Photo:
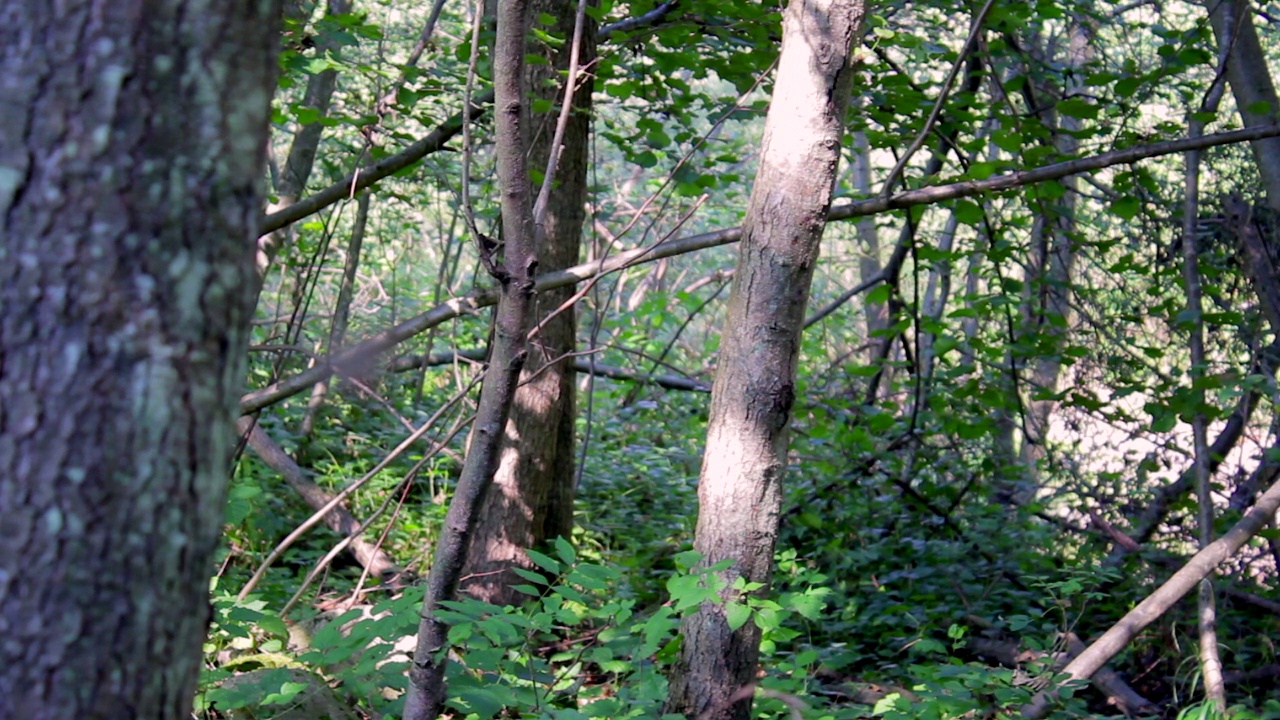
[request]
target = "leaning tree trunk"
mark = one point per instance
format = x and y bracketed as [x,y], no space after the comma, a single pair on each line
[531,498]
[739,490]
[131,143]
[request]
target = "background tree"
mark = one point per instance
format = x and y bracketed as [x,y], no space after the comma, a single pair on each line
[131,144]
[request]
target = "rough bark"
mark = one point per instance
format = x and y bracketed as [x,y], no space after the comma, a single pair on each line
[531,498]
[132,135]
[739,490]
[426,694]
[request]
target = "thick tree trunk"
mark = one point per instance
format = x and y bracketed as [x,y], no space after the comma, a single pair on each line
[132,136]
[739,490]
[531,498]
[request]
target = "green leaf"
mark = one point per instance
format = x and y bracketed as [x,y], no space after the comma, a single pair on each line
[645,159]
[879,295]
[968,212]
[1126,87]
[687,559]
[306,115]
[1126,207]
[982,170]
[1163,422]
[736,615]
[1260,107]
[1008,140]
[1077,107]
[530,575]
[565,550]
[543,561]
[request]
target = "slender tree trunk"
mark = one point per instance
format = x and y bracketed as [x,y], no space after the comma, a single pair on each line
[131,143]
[1047,309]
[739,490]
[876,314]
[337,328]
[306,142]
[426,695]
[531,498]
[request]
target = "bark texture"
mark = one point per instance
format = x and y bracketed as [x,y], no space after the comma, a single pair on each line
[132,135]
[531,498]
[739,490]
[426,695]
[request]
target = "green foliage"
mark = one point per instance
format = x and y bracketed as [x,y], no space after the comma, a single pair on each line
[922,515]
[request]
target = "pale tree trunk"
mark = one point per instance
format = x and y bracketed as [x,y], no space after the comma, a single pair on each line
[876,313]
[1251,85]
[531,498]
[507,353]
[132,137]
[739,490]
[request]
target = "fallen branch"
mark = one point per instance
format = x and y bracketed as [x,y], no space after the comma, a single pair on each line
[336,517]
[1088,662]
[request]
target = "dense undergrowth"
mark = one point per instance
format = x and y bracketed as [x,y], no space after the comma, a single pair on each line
[902,582]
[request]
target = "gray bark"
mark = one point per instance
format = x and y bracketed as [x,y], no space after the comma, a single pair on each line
[426,694]
[531,498]
[1251,85]
[739,490]
[132,136]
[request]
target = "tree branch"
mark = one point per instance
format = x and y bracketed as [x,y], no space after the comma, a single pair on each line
[362,353]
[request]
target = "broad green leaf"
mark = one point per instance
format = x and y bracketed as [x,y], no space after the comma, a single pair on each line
[736,615]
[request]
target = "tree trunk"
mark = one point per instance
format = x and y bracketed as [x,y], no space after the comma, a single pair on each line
[426,695]
[306,141]
[531,498]
[739,490]
[1046,308]
[131,144]
[1251,85]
